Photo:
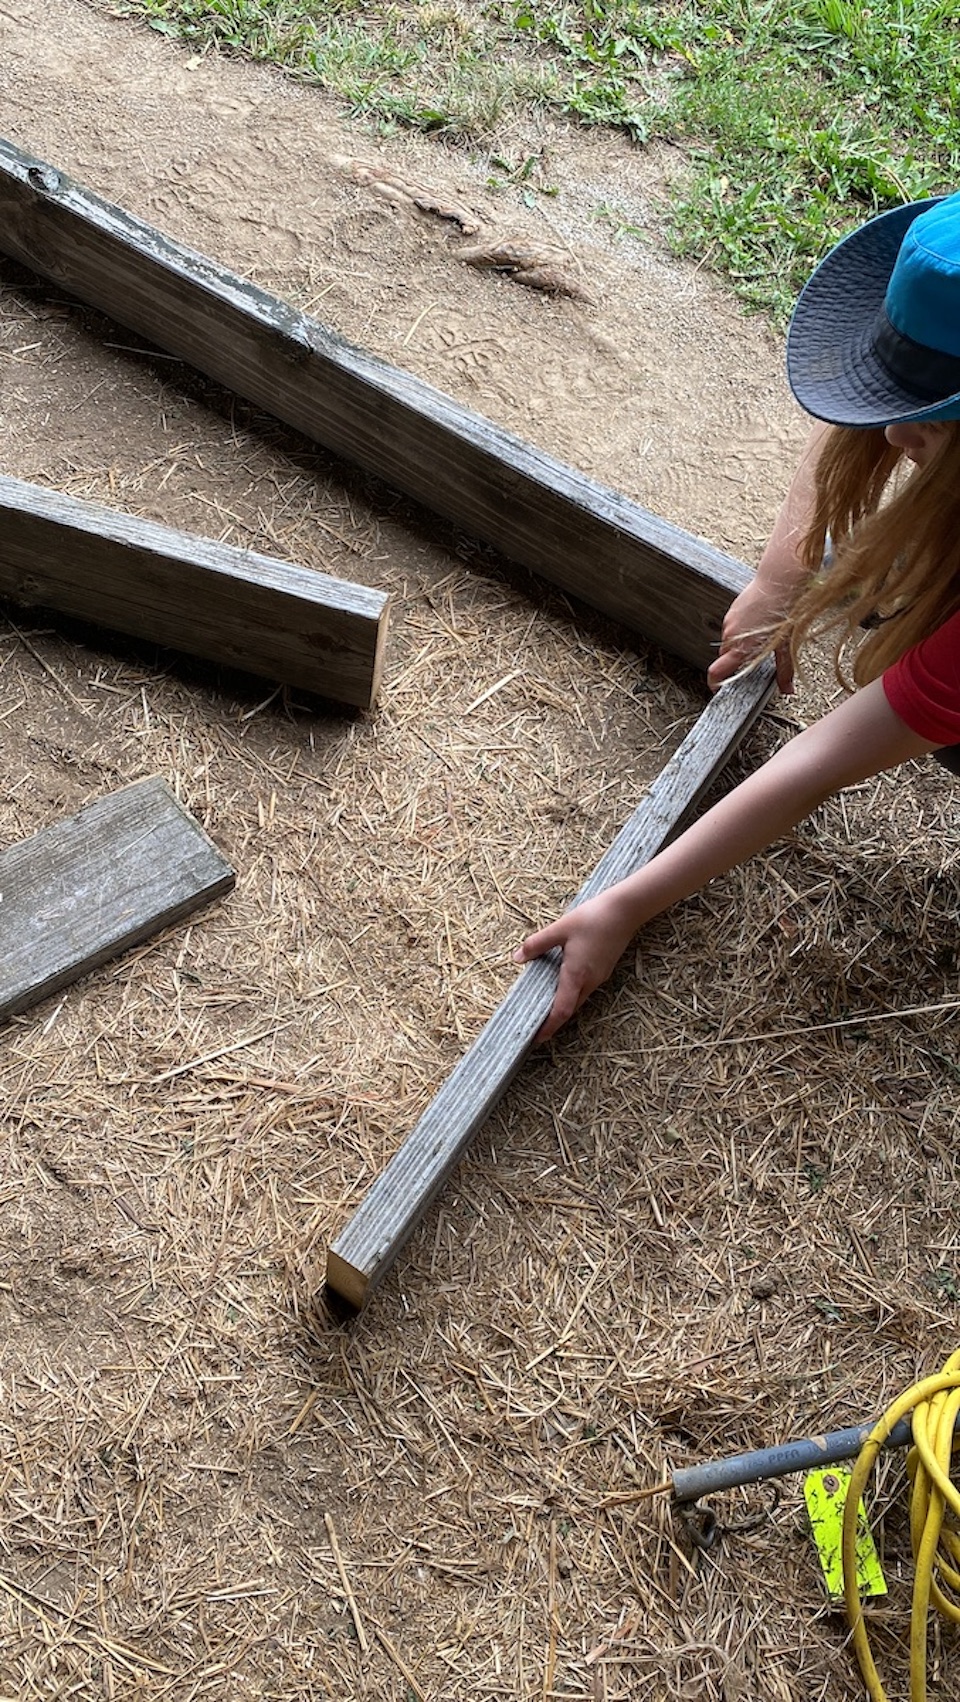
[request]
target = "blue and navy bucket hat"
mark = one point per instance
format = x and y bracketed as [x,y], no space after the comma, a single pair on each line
[875,336]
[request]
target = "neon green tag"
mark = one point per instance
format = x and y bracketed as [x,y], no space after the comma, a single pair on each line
[825,1492]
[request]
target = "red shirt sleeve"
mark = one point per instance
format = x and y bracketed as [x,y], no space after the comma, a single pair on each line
[923,687]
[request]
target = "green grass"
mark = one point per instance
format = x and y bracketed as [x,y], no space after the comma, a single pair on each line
[798,118]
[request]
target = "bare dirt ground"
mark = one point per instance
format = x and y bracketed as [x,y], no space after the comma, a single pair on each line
[717,1213]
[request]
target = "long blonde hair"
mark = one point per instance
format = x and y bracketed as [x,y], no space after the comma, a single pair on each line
[896,549]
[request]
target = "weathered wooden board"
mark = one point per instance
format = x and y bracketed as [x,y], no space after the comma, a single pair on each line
[598,546]
[89,887]
[387,1216]
[229,605]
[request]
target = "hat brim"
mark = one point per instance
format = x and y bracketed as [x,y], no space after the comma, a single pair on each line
[832,364]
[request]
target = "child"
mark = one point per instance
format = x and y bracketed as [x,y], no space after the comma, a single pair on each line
[874,351]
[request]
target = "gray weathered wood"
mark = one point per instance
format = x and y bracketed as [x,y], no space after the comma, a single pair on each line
[89,887]
[387,1216]
[600,547]
[229,605]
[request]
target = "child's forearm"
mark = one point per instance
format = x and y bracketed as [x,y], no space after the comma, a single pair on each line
[781,575]
[858,739]
[780,569]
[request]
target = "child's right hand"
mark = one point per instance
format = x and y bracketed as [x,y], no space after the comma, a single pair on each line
[747,626]
[593,938]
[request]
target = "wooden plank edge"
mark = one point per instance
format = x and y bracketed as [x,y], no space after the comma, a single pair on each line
[381,1225]
[221,880]
[306,628]
[372,413]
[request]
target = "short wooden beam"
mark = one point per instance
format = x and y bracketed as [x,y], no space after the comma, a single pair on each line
[229,605]
[89,887]
[387,1216]
[598,546]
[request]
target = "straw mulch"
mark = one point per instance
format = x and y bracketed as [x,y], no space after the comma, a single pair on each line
[718,1213]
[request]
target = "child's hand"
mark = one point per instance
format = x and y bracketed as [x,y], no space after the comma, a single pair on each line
[747,625]
[593,938]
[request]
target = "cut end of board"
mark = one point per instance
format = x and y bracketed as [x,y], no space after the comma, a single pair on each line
[346,1281]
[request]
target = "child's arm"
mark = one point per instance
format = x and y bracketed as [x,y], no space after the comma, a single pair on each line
[859,738]
[780,574]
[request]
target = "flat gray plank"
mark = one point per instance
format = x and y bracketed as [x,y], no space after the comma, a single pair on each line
[229,605]
[598,546]
[97,883]
[387,1216]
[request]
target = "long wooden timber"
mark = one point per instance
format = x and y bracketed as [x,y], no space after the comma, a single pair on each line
[595,544]
[387,1216]
[91,886]
[229,605]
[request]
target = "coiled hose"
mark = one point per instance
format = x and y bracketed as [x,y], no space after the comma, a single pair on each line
[935,1404]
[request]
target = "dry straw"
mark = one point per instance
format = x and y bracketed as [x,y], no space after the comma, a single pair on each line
[663,1249]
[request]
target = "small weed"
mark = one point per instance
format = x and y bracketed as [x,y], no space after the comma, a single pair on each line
[619,223]
[943,1283]
[525,174]
[829,1311]
[815,1178]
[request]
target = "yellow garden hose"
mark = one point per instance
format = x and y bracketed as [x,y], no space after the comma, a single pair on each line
[935,1404]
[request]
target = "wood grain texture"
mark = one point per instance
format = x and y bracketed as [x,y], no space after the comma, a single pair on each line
[389,1213]
[595,544]
[229,605]
[89,887]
